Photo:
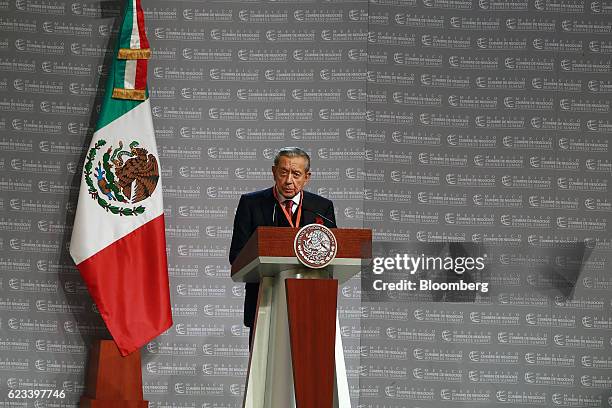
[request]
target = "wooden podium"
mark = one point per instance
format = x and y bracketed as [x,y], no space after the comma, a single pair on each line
[297,358]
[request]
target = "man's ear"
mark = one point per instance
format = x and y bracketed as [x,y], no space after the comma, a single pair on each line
[307,177]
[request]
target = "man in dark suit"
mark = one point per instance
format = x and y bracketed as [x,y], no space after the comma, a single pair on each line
[285,204]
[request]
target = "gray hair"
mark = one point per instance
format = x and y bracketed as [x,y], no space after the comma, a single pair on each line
[292,152]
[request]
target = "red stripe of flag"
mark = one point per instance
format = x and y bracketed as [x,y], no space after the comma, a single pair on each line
[128,280]
[141,74]
[144,41]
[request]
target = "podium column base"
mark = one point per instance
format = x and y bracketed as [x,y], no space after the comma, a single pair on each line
[270,372]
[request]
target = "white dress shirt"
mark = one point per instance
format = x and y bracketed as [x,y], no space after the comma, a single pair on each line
[295,199]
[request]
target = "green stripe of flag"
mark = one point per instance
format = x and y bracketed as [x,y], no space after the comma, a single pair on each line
[125,36]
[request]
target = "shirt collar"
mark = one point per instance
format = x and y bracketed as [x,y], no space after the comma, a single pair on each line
[295,199]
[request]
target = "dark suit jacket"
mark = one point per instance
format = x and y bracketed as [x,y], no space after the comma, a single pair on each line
[260,208]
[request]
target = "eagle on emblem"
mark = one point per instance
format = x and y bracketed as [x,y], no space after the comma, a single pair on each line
[141,168]
[127,180]
[316,242]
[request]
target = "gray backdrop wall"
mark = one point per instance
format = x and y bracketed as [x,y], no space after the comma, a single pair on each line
[482,121]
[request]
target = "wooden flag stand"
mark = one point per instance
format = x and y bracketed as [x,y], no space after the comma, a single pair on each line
[112,381]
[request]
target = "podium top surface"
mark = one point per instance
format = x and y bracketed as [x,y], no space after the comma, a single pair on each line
[270,251]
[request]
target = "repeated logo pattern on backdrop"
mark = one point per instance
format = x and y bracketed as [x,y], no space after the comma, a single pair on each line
[489,122]
[473,120]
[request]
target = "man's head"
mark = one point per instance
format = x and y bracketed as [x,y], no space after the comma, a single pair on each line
[291,170]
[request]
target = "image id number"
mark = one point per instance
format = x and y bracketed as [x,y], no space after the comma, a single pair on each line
[32,394]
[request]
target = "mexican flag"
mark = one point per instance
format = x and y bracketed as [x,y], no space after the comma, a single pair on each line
[118,242]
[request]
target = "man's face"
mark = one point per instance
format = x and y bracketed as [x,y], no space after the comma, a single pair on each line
[290,175]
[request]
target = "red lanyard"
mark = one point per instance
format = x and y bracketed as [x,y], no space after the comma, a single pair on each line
[288,214]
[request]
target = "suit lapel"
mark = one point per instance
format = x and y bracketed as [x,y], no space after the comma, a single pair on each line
[307,216]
